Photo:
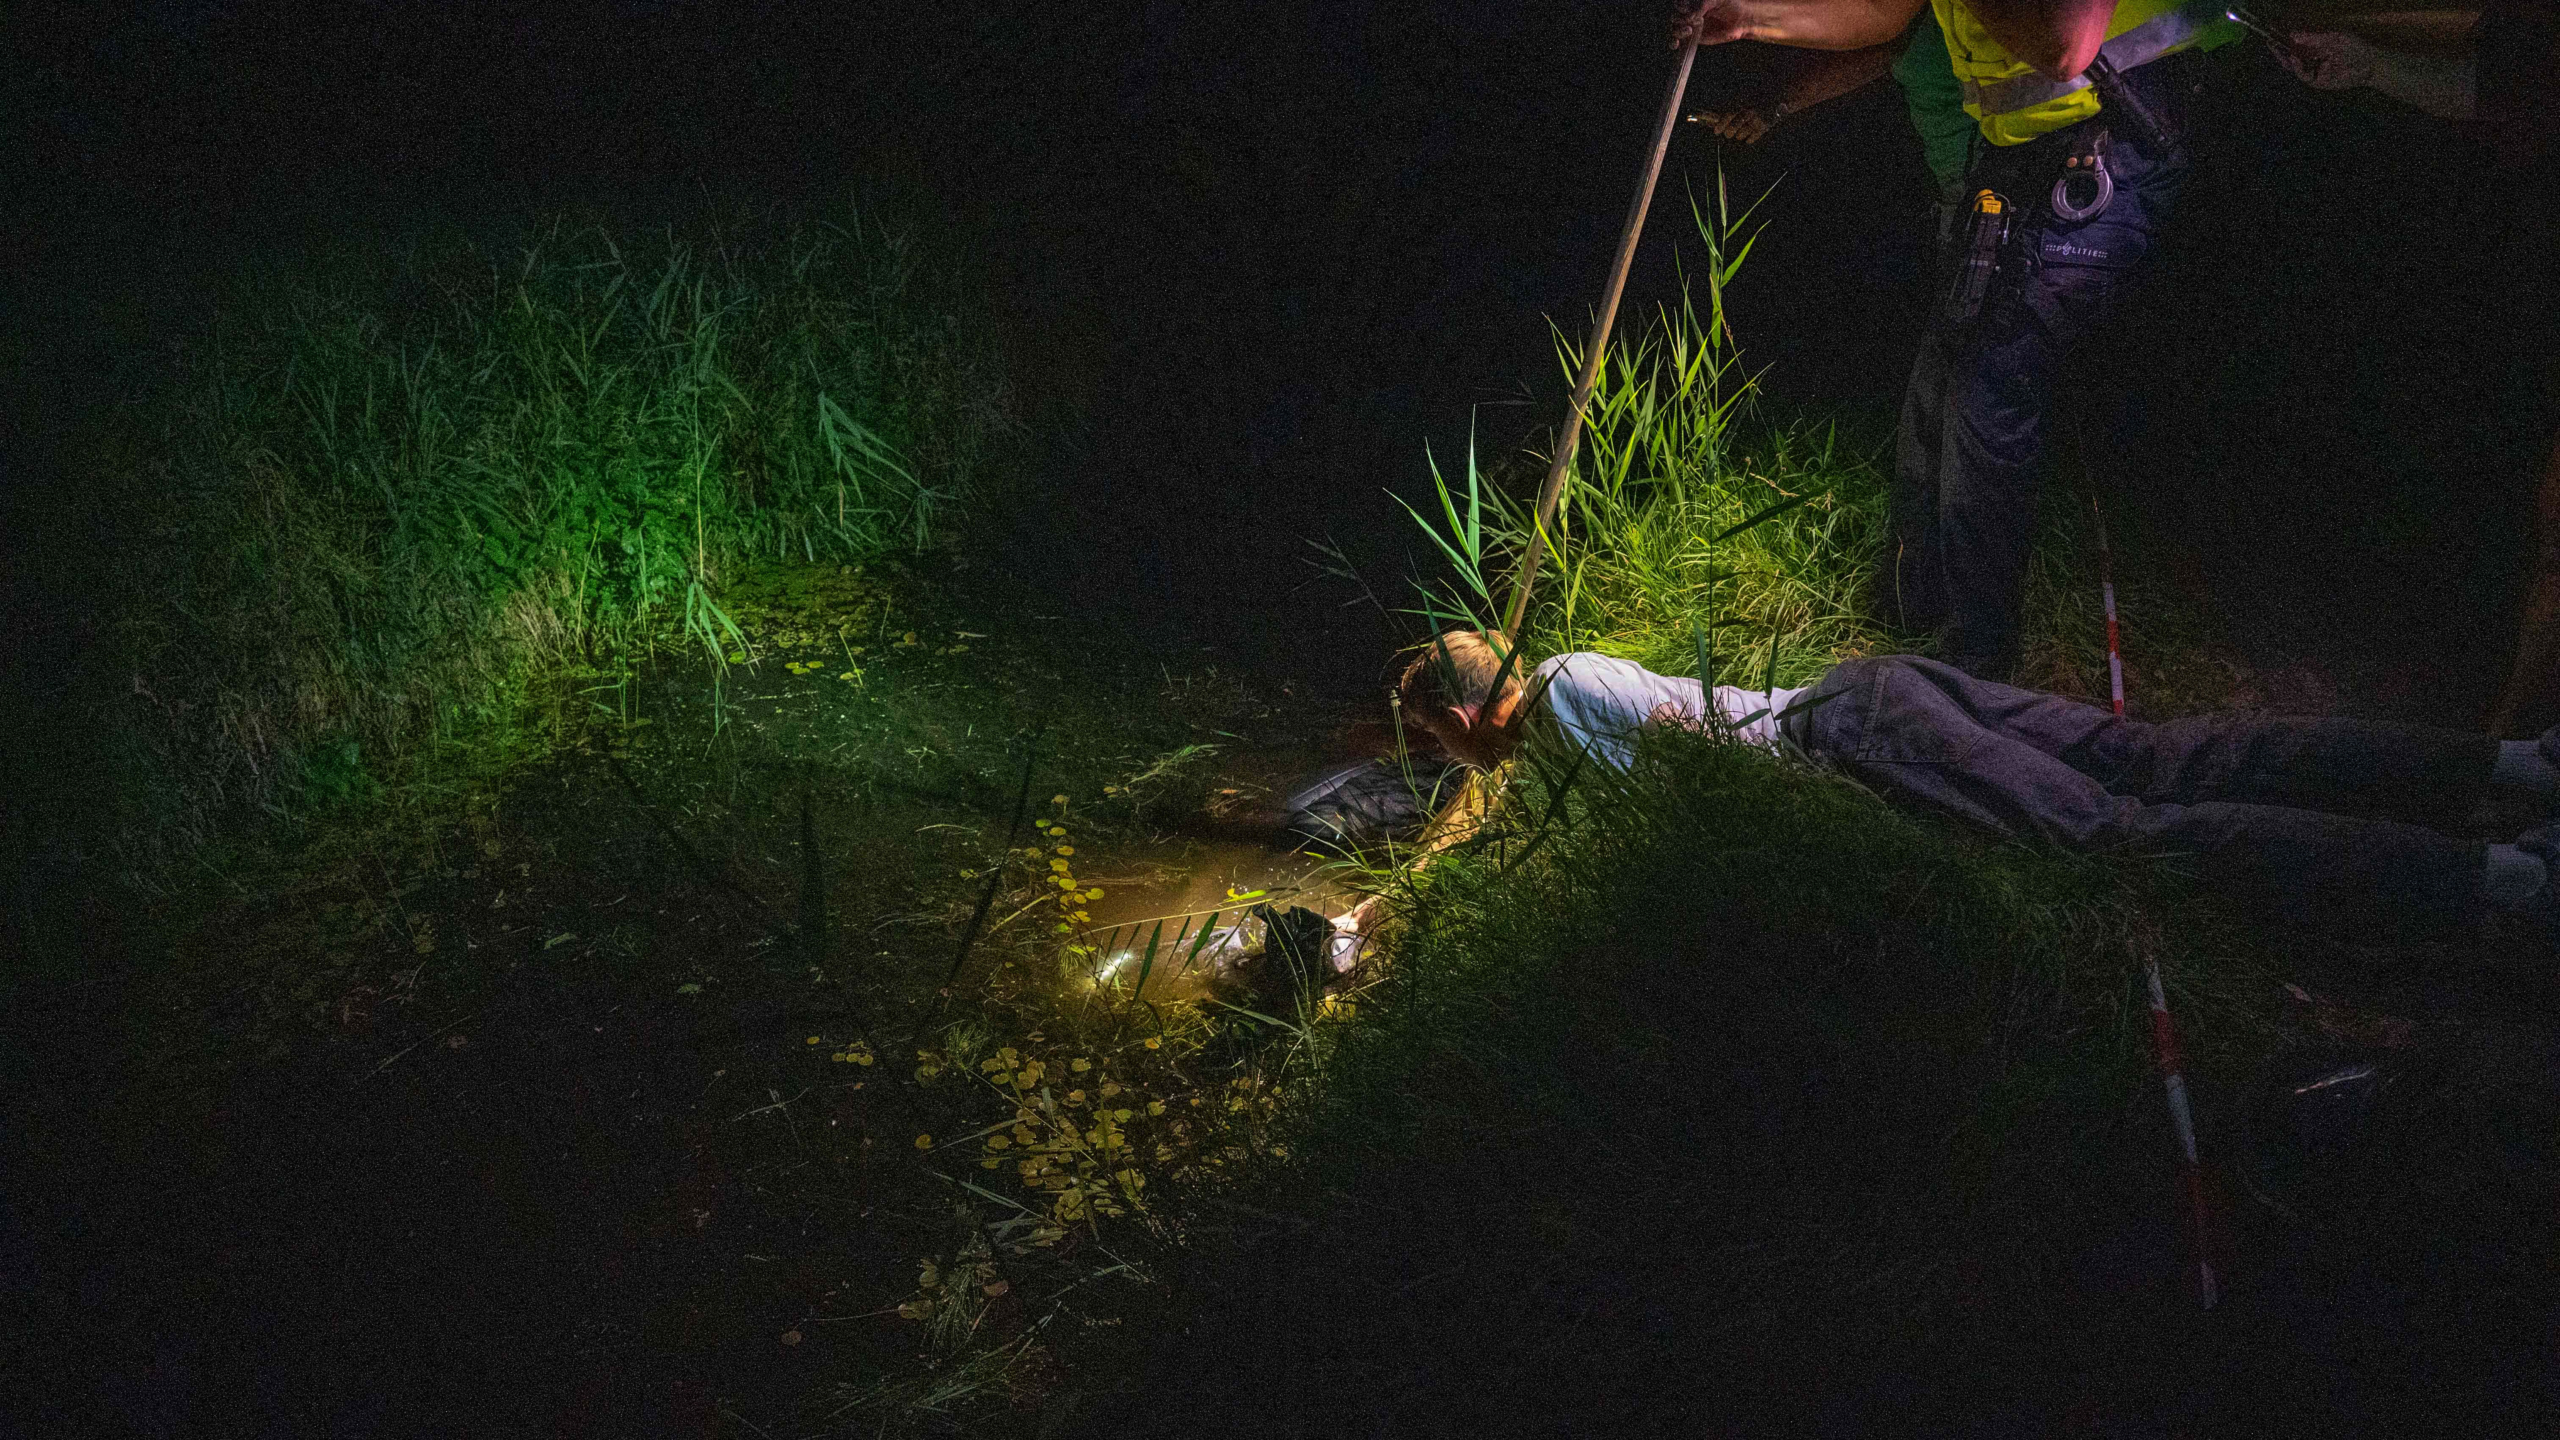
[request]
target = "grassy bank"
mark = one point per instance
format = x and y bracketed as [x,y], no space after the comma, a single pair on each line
[389,506]
[1703,1066]
[1722,1088]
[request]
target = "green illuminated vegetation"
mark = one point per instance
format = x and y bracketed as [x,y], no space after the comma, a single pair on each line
[392,505]
[1672,530]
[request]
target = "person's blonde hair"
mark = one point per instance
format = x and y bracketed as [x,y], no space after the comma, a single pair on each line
[1456,669]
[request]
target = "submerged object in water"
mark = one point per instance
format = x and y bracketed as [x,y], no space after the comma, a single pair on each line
[1367,803]
[1297,956]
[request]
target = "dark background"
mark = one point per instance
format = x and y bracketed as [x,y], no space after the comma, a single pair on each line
[1249,262]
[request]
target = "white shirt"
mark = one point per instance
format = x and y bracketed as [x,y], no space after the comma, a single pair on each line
[1601,701]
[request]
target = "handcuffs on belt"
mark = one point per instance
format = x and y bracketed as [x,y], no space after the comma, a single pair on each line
[2085,187]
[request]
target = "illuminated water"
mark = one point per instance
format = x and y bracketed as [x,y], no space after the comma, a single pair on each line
[1205,883]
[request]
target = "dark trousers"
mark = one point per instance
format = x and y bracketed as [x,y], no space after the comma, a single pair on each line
[2325,820]
[1970,447]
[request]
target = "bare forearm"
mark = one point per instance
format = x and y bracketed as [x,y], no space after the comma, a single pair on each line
[1823,24]
[1836,74]
[2442,85]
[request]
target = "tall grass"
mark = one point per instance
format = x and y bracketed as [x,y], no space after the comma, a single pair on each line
[1694,524]
[387,496]
[1688,523]
[2177,660]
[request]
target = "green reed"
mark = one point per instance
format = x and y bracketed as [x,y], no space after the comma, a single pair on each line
[1688,526]
[388,497]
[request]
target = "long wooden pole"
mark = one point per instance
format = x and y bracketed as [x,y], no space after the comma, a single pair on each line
[1597,355]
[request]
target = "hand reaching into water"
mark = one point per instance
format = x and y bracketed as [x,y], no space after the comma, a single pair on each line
[1358,919]
[1352,931]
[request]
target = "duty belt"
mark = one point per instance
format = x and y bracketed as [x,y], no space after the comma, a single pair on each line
[2140,45]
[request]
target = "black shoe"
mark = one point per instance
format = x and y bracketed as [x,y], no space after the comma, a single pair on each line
[1297,963]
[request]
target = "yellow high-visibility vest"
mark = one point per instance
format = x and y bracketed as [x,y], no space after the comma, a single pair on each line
[2015,103]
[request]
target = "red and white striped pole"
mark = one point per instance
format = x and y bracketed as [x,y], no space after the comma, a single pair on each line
[2107,593]
[2164,1042]
[2164,1033]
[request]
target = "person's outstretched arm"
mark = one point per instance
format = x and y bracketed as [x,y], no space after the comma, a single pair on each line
[2058,37]
[1804,24]
[1458,820]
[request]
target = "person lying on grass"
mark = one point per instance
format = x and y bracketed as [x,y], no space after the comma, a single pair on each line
[2323,820]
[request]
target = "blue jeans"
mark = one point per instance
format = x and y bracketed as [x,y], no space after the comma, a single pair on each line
[2324,820]
[1970,446]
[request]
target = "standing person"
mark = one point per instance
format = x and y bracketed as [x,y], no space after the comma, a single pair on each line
[2066,195]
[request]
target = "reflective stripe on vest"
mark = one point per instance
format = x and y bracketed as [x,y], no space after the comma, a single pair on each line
[2140,45]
